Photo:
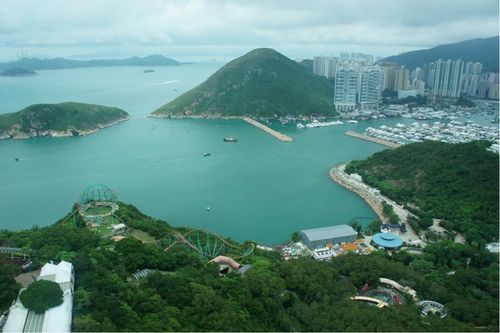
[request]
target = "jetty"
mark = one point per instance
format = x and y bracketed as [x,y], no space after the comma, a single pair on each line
[276,134]
[372,139]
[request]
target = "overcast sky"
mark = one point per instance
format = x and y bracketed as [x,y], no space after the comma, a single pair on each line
[199,30]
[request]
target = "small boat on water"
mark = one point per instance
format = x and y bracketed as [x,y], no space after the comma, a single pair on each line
[16,159]
[230,139]
[206,154]
[300,125]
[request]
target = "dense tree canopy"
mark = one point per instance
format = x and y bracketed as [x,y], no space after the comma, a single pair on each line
[274,295]
[455,182]
[8,286]
[42,295]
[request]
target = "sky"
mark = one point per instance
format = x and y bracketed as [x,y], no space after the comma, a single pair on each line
[199,30]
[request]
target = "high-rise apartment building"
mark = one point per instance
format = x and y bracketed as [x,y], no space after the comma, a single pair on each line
[320,66]
[371,80]
[401,79]
[325,66]
[447,77]
[389,70]
[346,82]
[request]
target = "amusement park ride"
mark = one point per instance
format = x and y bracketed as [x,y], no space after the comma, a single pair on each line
[99,203]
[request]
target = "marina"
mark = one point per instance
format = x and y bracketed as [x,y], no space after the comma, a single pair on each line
[450,132]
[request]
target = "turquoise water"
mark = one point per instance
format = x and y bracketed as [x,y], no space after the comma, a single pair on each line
[258,188]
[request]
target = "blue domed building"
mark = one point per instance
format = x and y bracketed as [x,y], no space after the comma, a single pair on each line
[387,240]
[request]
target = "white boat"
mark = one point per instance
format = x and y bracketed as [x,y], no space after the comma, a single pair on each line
[352,121]
[300,125]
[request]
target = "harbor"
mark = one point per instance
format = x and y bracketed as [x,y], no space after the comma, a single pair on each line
[378,140]
[276,134]
[450,132]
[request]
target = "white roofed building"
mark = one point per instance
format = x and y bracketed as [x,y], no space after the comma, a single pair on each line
[56,319]
[320,237]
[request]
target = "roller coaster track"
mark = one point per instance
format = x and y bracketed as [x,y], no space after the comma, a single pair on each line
[17,251]
[206,243]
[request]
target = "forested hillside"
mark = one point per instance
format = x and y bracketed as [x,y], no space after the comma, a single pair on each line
[274,295]
[454,182]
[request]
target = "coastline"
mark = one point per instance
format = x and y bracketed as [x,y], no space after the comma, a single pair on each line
[338,175]
[374,199]
[58,134]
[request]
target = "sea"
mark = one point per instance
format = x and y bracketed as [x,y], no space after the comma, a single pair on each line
[258,189]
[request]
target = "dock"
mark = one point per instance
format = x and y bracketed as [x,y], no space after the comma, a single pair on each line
[276,134]
[372,139]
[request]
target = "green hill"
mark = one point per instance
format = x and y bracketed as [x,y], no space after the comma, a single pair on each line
[263,82]
[455,182]
[483,50]
[59,63]
[274,295]
[64,119]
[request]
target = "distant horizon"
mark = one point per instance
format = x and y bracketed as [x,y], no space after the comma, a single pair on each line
[229,52]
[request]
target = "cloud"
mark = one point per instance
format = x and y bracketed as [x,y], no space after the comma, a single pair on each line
[96,23]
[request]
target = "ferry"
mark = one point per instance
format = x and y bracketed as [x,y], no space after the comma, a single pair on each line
[230,139]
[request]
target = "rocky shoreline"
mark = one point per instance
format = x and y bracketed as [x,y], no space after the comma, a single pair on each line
[15,134]
[338,175]
[374,199]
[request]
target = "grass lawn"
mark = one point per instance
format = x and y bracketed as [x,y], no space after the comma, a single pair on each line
[142,236]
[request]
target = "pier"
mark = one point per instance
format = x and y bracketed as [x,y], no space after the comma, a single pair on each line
[276,134]
[372,139]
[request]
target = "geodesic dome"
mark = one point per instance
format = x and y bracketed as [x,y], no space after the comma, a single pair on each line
[96,202]
[97,193]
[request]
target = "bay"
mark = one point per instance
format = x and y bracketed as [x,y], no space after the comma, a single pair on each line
[257,189]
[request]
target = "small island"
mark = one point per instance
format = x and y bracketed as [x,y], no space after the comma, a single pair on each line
[18,72]
[58,120]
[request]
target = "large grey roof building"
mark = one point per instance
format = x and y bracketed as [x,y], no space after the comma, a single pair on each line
[320,237]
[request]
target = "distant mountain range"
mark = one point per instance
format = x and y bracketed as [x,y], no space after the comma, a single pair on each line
[60,63]
[262,82]
[483,50]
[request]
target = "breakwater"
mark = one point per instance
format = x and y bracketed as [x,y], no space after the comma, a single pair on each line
[372,139]
[276,134]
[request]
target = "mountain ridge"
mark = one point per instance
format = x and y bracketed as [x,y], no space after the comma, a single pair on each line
[483,50]
[63,63]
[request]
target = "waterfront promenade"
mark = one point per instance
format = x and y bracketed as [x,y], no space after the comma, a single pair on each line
[374,199]
[372,139]
[276,134]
